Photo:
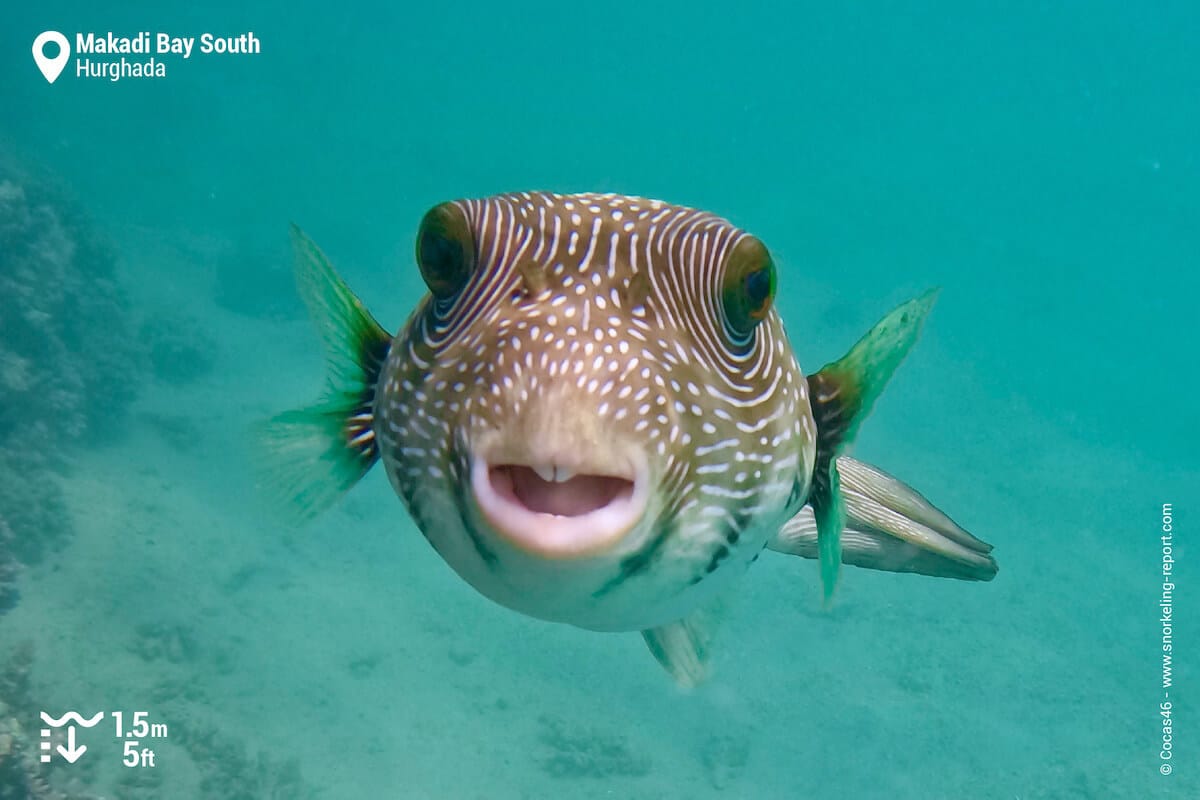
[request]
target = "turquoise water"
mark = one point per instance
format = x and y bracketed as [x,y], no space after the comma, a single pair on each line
[1037,161]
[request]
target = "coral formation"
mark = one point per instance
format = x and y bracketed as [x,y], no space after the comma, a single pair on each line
[8,568]
[32,508]
[68,365]
[68,362]
[22,775]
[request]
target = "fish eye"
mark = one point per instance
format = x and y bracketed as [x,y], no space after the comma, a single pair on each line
[445,250]
[748,286]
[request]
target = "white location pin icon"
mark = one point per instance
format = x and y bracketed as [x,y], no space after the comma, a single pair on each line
[51,67]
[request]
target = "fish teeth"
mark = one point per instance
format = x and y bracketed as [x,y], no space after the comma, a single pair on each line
[552,474]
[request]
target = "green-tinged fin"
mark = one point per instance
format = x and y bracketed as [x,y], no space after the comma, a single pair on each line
[842,394]
[830,515]
[682,647]
[310,457]
[890,526]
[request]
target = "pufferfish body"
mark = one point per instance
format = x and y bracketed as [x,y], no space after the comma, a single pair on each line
[595,417]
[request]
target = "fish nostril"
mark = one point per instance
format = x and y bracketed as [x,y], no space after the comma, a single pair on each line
[533,279]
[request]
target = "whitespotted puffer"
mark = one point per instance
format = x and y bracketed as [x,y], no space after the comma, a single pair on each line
[595,417]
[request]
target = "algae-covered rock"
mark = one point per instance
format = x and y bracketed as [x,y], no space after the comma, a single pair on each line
[8,568]
[69,363]
[23,775]
[177,354]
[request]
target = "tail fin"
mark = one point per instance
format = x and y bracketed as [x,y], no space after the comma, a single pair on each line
[309,457]
[890,526]
[842,395]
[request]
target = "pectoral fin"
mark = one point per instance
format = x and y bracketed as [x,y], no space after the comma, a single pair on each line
[309,457]
[890,526]
[842,395]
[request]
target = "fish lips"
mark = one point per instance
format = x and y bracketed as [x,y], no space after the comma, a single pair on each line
[560,506]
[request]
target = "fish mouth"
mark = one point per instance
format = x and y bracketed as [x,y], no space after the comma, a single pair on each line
[560,507]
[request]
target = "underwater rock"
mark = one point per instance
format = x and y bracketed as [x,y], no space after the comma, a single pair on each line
[587,753]
[69,366]
[32,508]
[68,362]
[9,567]
[16,679]
[177,354]
[22,775]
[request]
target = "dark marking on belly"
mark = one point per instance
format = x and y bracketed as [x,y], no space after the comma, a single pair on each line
[733,533]
[639,562]
[460,503]
[721,553]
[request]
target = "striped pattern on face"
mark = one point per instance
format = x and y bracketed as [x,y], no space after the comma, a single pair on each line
[592,324]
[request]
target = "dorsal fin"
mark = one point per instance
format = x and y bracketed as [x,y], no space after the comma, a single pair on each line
[841,395]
